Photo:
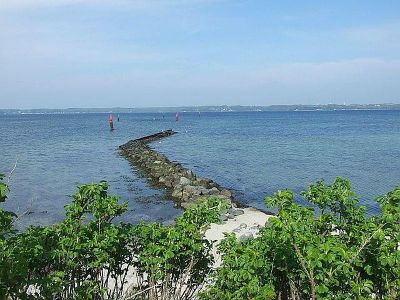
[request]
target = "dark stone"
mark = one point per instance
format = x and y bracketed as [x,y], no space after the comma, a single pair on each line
[224,211]
[238,212]
[214,191]
[231,211]
[185,181]
[224,218]
[226,193]
[245,236]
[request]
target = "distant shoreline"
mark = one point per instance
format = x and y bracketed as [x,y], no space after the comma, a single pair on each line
[196,109]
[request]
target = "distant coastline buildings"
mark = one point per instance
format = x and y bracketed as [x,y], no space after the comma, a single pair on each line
[222,108]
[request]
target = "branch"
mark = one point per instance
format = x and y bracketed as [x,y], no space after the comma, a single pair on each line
[365,243]
[141,292]
[310,274]
[12,171]
[27,212]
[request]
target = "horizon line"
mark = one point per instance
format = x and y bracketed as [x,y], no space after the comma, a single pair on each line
[204,106]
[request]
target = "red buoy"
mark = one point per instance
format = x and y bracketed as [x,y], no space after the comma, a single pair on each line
[110,121]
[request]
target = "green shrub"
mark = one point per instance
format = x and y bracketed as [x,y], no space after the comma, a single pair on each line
[176,259]
[339,253]
[87,256]
[328,250]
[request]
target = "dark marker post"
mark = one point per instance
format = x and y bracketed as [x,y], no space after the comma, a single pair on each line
[118,118]
[110,121]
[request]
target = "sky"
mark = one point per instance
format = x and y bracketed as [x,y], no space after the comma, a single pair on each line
[141,53]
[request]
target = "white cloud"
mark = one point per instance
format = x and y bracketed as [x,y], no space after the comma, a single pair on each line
[382,35]
[94,55]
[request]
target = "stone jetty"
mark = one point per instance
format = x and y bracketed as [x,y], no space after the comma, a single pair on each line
[186,189]
[181,184]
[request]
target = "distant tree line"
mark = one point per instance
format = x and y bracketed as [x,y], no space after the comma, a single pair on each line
[221,108]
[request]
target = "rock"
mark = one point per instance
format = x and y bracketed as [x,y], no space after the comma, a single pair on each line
[185,181]
[188,173]
[243,226]
[238,212]
[177,193]
[226,193]
[156,175]
[190,193]
[201,191]
[222,198]
[224,218]
[245,236]
[240,228]
[186,196]
[203,182]
[175,178]
[168,182]
[255,228]
[224,211]
[162,179]
[227,200]
[212,184]
[214,191]
[190,189]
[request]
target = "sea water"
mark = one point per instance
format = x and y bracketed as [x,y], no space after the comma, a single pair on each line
[251,153]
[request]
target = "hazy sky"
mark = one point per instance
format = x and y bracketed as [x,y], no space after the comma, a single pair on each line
[93,53]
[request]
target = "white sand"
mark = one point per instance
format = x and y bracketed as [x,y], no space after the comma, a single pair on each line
[246,224]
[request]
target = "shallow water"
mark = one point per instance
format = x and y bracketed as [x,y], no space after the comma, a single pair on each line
[252,153]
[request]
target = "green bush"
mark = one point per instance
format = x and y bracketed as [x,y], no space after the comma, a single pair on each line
[176,259]
[87,256]
[337,253]
[329,249]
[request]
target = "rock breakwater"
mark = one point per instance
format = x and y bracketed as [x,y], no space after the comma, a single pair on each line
[180,183]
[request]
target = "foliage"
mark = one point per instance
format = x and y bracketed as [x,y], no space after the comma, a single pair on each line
[330,249]
[175,260]
[73,259]
[244,273]
[88,256]
[339,253]
[6,217]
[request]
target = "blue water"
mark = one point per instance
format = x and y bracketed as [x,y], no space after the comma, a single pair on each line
[254,154]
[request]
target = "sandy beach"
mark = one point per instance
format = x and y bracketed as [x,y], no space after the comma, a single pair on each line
[244,226]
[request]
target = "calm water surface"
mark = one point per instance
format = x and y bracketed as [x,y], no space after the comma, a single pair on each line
[254,154]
